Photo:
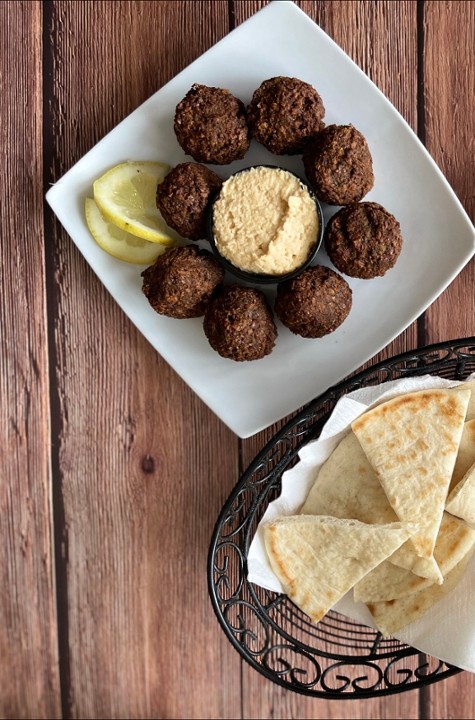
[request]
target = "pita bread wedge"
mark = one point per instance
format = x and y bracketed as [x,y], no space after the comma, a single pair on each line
[468,385]
[412,441]
[319,558]
[465,459]
[348,487]
[461,501]
[394,615]
[388,582]
[424,567]
[465,455]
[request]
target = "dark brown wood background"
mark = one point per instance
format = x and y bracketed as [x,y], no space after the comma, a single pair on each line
[113,471]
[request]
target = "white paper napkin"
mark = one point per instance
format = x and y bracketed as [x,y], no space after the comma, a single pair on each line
[447,630]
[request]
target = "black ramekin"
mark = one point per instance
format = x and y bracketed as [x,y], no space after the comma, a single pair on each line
[261,278]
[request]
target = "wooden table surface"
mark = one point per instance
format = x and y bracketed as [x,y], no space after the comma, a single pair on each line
[113,470]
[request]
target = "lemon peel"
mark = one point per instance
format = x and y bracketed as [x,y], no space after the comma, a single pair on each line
[126,197]
[117,242]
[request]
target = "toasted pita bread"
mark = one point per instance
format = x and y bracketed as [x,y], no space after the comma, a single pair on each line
[423,567]
[412,441]
[393,615]
[461,501]
[465,458]
[468,385]
[388,582]
[319,558]
[348,487]
[465,455]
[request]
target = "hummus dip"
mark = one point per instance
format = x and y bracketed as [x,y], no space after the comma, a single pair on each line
[265,221]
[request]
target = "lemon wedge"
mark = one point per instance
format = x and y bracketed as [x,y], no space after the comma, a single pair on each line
[126,194]
[119,243]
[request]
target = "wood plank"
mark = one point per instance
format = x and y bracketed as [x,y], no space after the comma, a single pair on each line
[144,465]
[453,698]
[29,677]
[381,38]
[449,137]
[450,132]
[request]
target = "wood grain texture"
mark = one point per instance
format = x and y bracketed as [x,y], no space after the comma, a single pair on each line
[451,699]
[449,35]
[29,678]
[99,431]
[144,466]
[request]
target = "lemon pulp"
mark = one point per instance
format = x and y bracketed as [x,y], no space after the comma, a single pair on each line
[126,194]
[117,242]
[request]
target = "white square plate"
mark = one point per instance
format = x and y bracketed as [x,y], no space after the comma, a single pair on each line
[438,236]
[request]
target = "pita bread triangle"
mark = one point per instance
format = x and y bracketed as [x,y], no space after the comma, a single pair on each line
[470,385]
[348,487]
[319,558]
[461,501]
[465,455]
[423,567]
[389,582]
[428,567]
[393,615]
[412,441]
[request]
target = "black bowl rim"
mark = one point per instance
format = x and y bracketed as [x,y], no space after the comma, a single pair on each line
[259,278]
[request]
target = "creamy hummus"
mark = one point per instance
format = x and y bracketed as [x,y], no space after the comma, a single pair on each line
[265,221]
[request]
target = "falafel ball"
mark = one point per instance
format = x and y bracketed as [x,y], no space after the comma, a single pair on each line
[182,281]
[284,114]
[211,126]
[363,240]
[314,303]
[239,324]
[338,165]
[183,196]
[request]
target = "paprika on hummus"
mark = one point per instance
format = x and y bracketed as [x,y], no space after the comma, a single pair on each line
[265,221]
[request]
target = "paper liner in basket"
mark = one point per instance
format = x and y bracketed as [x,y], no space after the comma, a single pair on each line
[445,631]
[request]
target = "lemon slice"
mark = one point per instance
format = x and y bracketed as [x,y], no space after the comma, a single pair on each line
[118,243]
[126,195]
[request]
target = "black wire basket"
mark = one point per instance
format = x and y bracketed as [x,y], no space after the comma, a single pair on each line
[337,657]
